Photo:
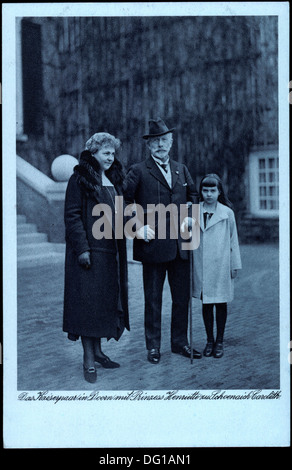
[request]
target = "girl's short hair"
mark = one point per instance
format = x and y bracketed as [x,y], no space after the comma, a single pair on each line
[101,139]
[210,180]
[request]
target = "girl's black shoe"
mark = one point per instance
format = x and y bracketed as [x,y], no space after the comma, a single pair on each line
[208,351]
[218,350]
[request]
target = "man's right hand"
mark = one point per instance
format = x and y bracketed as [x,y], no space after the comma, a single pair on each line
[145,233]
[84,260]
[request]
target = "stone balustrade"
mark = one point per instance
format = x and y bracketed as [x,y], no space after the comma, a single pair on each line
[41,199]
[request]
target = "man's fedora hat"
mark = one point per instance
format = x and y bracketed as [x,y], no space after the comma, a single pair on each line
[156,128]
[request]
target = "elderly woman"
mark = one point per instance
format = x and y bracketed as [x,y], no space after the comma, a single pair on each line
[95,297]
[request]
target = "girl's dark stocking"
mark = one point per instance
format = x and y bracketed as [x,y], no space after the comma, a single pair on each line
[208,318]
[221,316]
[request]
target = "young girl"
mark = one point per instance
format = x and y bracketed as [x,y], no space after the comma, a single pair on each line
[216,261]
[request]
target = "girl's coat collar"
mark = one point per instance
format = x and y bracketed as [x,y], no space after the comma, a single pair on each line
[220,213]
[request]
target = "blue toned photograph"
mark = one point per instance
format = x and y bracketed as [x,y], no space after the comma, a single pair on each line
[146,225]
[213,82]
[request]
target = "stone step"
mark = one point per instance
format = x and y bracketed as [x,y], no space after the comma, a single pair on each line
[26,228]
[40,260]
[21,219]
[32,249]
[31,237]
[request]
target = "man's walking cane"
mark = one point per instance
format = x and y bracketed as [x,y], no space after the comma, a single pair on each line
[191,294]
[191,304]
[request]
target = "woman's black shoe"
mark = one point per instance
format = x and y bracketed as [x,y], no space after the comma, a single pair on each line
[208,351]
[89,374]
[106,362]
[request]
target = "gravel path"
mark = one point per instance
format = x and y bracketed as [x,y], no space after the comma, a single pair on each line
[47,360]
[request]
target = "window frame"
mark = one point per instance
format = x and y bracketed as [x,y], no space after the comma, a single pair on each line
[20,136]
[254,183]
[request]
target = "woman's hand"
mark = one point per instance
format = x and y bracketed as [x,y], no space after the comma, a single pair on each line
[233,273]
[84,260]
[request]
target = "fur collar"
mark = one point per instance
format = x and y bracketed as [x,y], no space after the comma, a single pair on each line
[88,175]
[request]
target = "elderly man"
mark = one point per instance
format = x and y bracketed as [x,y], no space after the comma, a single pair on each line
[160,180]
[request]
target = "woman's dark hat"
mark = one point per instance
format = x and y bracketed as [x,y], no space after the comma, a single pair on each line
[156,128]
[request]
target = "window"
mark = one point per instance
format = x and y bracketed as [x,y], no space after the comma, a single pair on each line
[264,183]
[19,104]
[32,87]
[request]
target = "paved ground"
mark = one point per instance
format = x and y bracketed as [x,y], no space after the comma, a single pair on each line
[47,360]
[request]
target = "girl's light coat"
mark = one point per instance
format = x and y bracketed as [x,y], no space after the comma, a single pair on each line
[216,256]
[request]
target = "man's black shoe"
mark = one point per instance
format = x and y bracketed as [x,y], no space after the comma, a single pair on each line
[186,351]
[153,356]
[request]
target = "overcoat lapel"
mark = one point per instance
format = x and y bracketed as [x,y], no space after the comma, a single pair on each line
[154,170]
[174,172]
[109,215]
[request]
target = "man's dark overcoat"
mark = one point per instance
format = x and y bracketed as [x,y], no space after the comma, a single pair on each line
[95,300]
[146,185]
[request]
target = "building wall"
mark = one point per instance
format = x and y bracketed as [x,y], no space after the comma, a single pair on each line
[213,78]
